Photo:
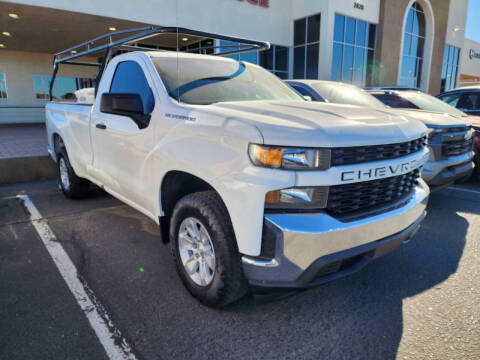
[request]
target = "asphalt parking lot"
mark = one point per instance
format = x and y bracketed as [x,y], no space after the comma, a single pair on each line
[420,302]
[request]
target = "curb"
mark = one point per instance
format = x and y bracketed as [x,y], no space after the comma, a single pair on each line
[29,168]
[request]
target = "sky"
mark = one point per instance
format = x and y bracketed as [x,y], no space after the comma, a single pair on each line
[473,23]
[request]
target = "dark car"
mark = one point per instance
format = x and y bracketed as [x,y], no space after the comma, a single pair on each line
[393,87]
[467,99]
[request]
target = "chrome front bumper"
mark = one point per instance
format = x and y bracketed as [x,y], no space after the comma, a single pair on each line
[444,172]
[306,241]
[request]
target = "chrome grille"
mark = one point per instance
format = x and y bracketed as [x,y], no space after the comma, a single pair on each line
[351,198]
[361,154]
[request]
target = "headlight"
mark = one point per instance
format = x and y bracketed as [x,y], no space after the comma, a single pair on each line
[470,133]
[431,132]
[289,158]
[301,198]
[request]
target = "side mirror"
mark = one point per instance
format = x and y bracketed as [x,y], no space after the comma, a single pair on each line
[308,98]
[130,105]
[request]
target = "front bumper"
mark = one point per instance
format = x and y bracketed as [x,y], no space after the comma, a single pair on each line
[314,248]
[444,172]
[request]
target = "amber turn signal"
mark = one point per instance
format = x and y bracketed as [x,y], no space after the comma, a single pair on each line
[266,156]
[272,197]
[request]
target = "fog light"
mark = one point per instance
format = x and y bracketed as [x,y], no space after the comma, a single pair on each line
[297,198]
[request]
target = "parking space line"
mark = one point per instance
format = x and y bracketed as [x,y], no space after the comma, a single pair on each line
[110,337]
[464,190]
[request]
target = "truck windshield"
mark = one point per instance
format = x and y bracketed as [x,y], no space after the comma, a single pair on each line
[346,94]
[430,103]
[208,80]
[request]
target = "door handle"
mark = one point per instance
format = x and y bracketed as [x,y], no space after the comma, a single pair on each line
[101,126]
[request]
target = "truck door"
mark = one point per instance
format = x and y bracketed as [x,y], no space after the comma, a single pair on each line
[122,145]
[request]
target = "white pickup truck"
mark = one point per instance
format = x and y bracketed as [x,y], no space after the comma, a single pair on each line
[251,184]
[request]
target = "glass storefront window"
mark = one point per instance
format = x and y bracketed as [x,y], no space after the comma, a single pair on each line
[281,58]
[300,28]
[350,30]
[413,42]
[360,33]
[63,89]
[449,68]
[266,58]
[200,47]
[353,50]
[306,47]
[3,86]
[274,59]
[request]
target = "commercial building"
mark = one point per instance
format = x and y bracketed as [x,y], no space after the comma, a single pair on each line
[366,42]
[470,64]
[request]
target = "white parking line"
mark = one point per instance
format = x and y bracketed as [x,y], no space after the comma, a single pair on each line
[464,190]
[110,337]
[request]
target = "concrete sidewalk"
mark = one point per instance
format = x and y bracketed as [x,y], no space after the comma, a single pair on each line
[21,140]
[23,153]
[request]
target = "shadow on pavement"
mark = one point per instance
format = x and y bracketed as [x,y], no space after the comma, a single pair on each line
[362,314]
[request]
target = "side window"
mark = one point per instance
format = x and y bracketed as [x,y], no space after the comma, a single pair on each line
[305,92]
[3,87]
[130,79]
[301,90]
[451,99]
[470,102]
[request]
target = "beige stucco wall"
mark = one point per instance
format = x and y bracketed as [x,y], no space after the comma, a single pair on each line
[19,68]
[457,20]
[231,17]
[390,35]
[440,11]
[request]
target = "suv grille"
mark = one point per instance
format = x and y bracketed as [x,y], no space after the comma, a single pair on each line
[456,148]
[457,129]
[350,198]
[361,154]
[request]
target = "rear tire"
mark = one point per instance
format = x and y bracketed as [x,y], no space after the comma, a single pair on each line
[200,221]
[72,186]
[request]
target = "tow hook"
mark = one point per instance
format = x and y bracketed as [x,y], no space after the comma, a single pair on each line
[414,232]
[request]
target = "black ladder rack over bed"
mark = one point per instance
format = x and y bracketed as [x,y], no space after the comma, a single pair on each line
[104,44]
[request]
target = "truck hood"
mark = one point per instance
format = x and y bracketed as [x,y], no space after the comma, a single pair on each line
[431,119]
[314,124]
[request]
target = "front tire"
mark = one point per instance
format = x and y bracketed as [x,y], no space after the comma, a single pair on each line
[72,186]
[204,247]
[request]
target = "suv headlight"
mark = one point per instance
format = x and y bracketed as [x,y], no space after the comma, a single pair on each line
[431,132]
[289,158]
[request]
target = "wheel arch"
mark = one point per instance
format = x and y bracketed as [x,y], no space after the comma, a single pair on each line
[57,142]
[175,185]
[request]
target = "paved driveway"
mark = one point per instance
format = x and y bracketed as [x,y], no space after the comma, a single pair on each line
[420,302]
